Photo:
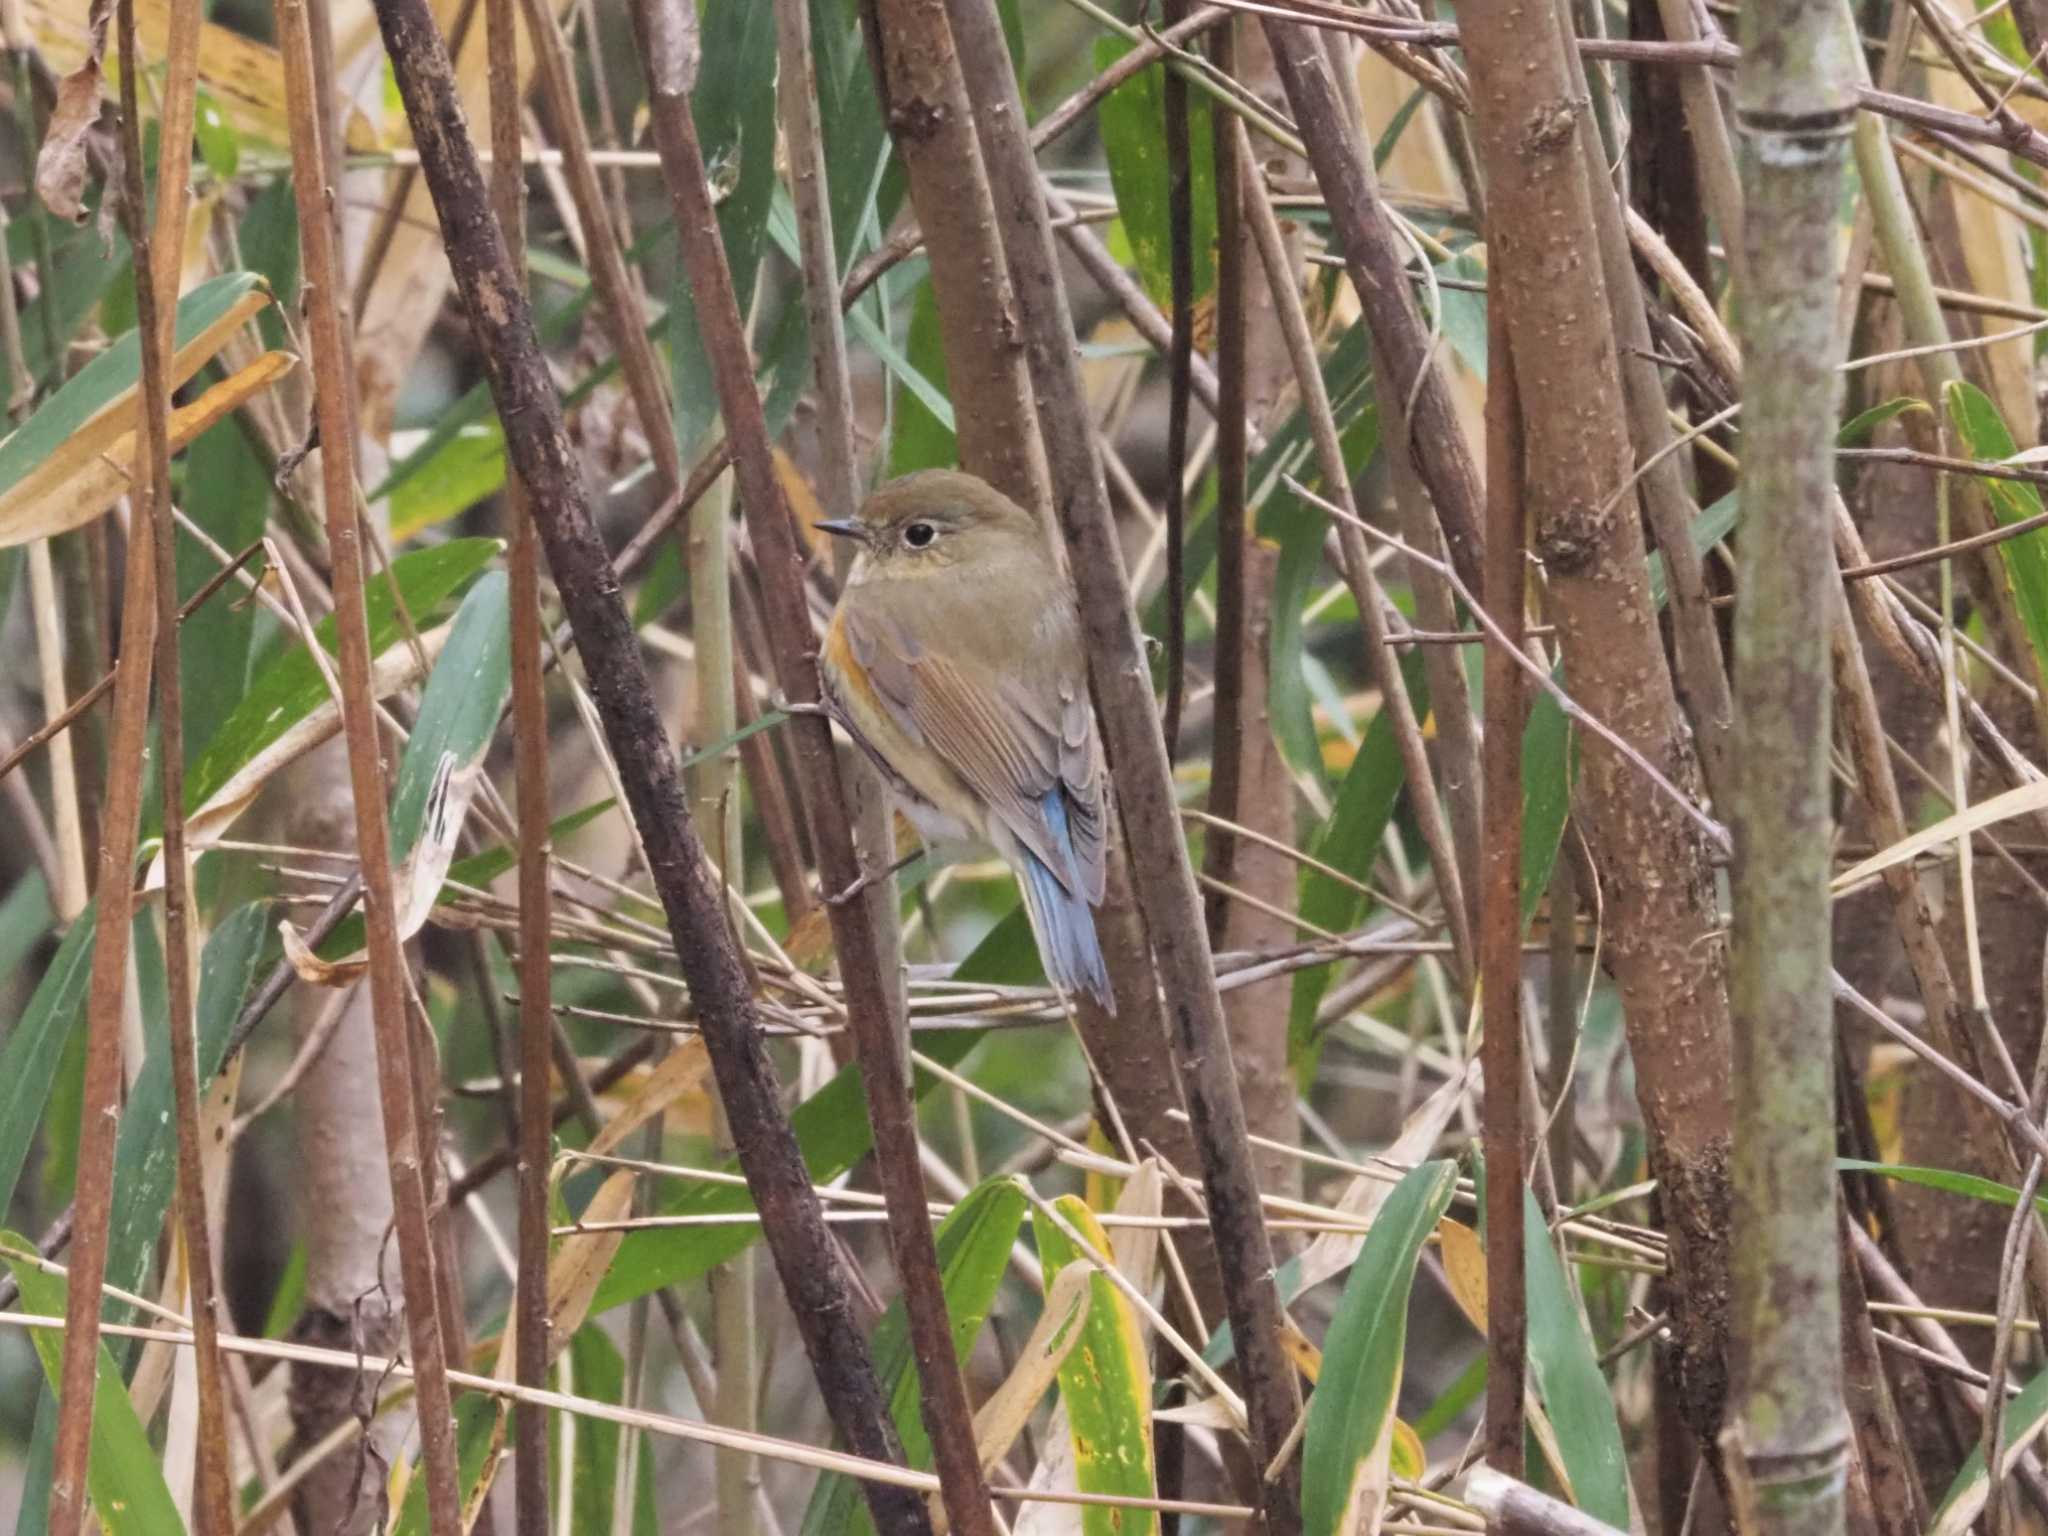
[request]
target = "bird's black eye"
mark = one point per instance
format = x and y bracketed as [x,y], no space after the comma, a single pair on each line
[919,535]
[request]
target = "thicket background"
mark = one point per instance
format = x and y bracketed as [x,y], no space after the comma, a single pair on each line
[1579,951]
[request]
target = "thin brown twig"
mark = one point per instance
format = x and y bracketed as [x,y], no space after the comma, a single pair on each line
[60,723]
[1500,933]
[99,1109]
[334,407]
[529,703]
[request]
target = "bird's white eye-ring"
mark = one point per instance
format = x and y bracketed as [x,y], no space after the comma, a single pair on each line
[919,535]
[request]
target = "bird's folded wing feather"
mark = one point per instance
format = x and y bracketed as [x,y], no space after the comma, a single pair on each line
[1013,743]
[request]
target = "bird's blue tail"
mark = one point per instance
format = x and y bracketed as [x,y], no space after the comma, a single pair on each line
[1064,924]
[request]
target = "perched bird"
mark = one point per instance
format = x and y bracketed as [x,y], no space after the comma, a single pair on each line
[955,660]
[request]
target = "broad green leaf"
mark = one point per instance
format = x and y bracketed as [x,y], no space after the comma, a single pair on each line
[82,266]
[1298,526]
[1131,120]
[289,687]
[974,1244]
[1547,766]
[1349,841]
[2025,1415]
[1351,1414]
[122,1474]
[227,492]
[735,120]
[1565,1370]
[596,1371]
[922,434]
[831,1128]
[1463,319]
[146,1150]
[25,916]
[220,143]
[35,1045]
[1007,954]
[1945,1179]
[1857,429]
[2025,557]
[1106,1383]
[469,468]
[460,706]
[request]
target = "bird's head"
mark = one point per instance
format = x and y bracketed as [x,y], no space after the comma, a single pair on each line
[939,521]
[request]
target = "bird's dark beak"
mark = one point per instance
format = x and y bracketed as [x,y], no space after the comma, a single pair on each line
[844,527]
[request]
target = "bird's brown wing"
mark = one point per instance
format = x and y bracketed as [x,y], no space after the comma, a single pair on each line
[1013,743]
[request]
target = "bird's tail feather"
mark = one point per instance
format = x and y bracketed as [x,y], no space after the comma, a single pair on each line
[1064,924]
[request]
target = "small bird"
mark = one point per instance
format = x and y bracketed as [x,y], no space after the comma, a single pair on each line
[955,660]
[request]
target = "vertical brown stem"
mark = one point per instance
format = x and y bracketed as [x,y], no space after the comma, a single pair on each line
[1123,696]
[100,1100]
[530,750]
[1377,260]
[948,1419]
[1229,753]
[388,982]
[1652,858]
[1180,358]
[1500,934]
[156,298]
[926,105]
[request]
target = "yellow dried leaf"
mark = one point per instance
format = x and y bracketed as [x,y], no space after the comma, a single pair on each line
[681,1073]
[1465,1268]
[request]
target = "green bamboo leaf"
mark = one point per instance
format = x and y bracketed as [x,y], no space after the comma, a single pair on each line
[476,1432]
[1351,1414]
[467,469]
[1566,1372]
[460,706]
[83,266]
[220,143]
[110,375]
[122,1474]
[974,1249]
[227,492]
[35,1045]
[25,916]
[1945,1179]
[921,436]
[146,1149]
[2025,1416]
[289,686]
[597,1371]
[1298,526]
[735,120]
[1007,954]
[1105,1384]
[1859,428]
[1349,841]
[2025,557]
[831,1129]
[1129,119]
[1547,766]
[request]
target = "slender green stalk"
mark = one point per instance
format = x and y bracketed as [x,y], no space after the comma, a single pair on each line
[1787,1446]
